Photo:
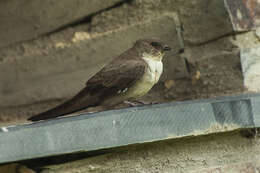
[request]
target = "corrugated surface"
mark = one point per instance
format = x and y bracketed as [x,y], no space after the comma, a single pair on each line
[128,126]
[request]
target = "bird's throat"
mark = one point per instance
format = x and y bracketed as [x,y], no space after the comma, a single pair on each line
[156,56]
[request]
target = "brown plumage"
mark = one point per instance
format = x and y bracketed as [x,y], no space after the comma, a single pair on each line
[108,86]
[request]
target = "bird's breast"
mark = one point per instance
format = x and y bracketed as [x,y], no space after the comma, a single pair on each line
[150,77]
[153,71]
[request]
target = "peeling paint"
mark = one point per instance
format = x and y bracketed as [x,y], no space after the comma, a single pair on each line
[80,36]
[245,15]
[4,129]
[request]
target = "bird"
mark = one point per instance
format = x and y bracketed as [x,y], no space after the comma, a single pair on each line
[126,78]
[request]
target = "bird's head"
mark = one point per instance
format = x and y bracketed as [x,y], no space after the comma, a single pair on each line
[152,48]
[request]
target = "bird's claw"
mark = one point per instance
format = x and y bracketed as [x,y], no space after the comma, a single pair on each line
[139,103]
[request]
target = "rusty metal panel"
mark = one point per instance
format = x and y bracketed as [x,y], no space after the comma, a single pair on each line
[245,14]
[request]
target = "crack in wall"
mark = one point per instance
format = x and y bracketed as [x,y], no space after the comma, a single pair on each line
[231,34]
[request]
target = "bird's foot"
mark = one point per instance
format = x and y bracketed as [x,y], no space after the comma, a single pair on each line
[147,102]
[132,104]
[139,103]
[94,109]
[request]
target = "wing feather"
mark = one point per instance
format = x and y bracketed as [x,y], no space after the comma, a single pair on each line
[116,76]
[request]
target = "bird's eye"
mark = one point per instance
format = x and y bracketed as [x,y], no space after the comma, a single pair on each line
[155,44]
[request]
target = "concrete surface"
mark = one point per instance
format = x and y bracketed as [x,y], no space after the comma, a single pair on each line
[15,168]
[27,19]
[202,21]
[217,153]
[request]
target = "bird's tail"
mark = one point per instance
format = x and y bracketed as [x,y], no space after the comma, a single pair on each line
[81,101]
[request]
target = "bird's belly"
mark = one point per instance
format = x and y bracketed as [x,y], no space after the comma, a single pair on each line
[139,89]
[145,83]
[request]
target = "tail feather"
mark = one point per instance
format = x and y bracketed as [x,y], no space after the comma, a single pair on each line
[81,101]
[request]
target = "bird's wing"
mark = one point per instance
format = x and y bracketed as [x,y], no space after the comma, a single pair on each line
[116,76]
[106,83]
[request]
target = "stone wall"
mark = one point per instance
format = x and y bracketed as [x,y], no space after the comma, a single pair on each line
[69,42]
[25,20]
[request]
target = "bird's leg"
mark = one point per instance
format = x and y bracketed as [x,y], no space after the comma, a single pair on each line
[139,103]
[147,102]
[95,109]
[132,104]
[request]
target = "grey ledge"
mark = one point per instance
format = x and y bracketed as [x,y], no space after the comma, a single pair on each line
[88,132]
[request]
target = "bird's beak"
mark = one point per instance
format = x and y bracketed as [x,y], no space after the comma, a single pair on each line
[167,48]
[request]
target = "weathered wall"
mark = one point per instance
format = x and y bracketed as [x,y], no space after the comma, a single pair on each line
[24,20]
[36,75]
[228,152]
[217,153]
[48,70]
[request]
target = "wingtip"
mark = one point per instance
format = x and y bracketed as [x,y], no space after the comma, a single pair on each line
[38,117]
[33,119]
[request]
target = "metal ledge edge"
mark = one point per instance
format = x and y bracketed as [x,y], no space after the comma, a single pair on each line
[114,128]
